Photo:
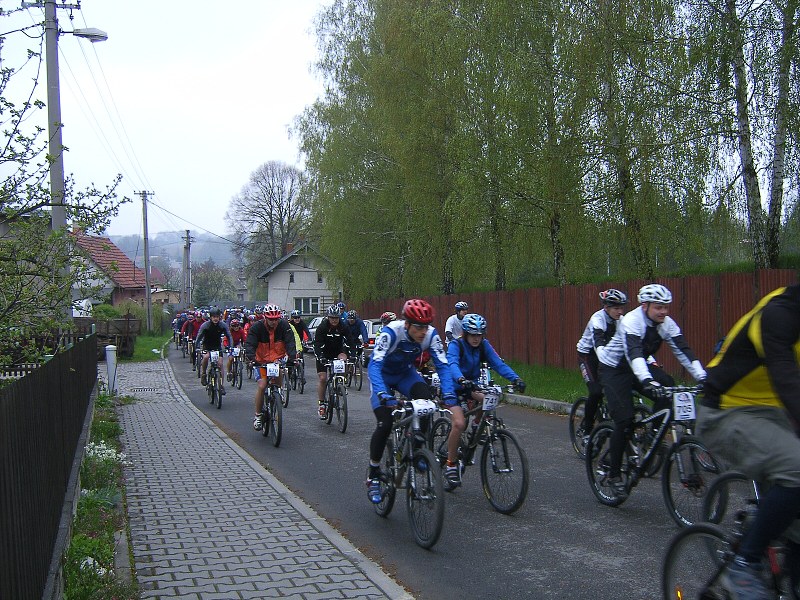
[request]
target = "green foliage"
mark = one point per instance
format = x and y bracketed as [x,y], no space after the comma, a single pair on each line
[550,382]
[105,312]
[148,347]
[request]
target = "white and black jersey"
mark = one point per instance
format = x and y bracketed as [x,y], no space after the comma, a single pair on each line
[637,337]
[599,331]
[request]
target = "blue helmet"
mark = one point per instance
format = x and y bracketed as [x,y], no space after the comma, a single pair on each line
[473,323]
[461,305]
[334,311]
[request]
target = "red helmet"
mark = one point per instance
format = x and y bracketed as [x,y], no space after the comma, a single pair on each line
[418,311]
[235,323]
[272,311]
[388,317]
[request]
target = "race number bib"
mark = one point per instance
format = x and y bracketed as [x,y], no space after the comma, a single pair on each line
[423,407]
[338,366]
[236,351]
[214,355]
[435,381]
[492,398]
[683,405]
[273,370]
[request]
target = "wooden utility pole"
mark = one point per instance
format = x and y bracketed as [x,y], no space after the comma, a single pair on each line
[147,301]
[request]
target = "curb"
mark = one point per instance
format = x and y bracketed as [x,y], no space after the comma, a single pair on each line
[556,406]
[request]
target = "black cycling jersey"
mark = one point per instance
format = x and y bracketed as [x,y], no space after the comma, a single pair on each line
[329,341]
[210,335]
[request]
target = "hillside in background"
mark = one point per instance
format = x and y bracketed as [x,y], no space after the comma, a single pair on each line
[169,244]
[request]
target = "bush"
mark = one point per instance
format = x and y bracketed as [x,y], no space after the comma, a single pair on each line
[104,312]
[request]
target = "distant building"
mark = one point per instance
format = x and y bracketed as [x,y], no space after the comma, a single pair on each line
[120,279]
[302,280]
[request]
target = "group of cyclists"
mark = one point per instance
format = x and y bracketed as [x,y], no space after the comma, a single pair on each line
[748,413]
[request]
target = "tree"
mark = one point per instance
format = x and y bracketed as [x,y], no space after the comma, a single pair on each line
[271,212]
[36,289]
[211,283]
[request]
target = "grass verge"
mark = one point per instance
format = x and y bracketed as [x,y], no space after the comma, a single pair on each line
[148,347]
[550,382]
[89,559]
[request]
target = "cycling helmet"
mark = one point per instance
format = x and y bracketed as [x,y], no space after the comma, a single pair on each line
[235,323]
[612,297]
[295,314]
[461,305]
[198,314]
[341,306]
[272,311]
[418,311]
[473,323]
[388,317]
[655,292]
[215,312]
[334,311]
[352,314]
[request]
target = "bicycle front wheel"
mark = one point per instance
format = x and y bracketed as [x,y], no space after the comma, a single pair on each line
[341,408]
[287,387]
[440,432]
[695,560]
[576,432]
[425,498]
[276,418]
[504,472]
[239,374]
[728,495]
[688,470]
[359,376]
[331,400]
[301,376]
[598,464]
[218,399]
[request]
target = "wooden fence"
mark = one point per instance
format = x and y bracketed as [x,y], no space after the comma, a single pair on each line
[541,326]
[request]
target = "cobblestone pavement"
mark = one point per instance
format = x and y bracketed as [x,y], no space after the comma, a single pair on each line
[208,521]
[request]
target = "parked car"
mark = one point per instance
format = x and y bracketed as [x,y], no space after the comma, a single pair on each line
[373,326]
[312,326]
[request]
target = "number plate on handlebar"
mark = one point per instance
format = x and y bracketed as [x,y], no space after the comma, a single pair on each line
[273,369]
[214,355]
[492,397]
[338,366]
[423,408]
[683,405]
[236,351]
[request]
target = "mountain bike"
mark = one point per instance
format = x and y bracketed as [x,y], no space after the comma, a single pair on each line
[504,464]
[336,392]
[409,464]
[578,436]
[355,372]
[272,407]
[213,379]
[237,367]
[698,557]
[191,352]
[688,466]
[183,346]
[297,373]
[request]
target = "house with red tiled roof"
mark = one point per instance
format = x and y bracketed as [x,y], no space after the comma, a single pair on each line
[119,277]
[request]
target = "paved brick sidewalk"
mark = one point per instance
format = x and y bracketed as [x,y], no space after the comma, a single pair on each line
[193,497]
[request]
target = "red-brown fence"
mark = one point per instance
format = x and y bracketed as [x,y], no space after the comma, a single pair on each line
[541,326]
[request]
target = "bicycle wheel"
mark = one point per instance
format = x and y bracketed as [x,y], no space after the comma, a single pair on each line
[504,472]
[388,488]
[239,374]
[341,408]
[695,560]
[576,432]
[688,470]
[276,418]
[287,387]
[331,403]
[216,384]
[598,457]
[425,498]
[728,495]
[440,432]
[359,375]
[301,376]
[293,377]
[183,350]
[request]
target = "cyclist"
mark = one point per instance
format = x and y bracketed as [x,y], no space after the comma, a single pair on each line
[268,341]
[452,328]
[599,330]
[750,415]
[465,357]
[209,337]
[623,367]
[392,367]
[302,334]
[387,318]
[237,340]
[330,342]
[357,330]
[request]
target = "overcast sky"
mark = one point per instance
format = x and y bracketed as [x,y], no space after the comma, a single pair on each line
[184,99]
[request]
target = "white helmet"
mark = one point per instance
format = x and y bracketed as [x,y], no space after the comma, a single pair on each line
[655,292]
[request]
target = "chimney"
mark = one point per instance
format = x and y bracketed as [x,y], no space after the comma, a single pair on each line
[289,247]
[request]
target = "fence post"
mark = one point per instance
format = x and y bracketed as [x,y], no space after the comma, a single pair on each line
[111,366]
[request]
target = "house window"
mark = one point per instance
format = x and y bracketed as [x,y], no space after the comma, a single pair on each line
[291,276]
[319,277]
[307,306]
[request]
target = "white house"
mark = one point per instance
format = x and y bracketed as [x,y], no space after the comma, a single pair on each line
[302,280]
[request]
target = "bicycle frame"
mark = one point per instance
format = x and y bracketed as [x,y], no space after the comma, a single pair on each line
[409,434]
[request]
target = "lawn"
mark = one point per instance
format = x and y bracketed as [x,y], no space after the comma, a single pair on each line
[145,344]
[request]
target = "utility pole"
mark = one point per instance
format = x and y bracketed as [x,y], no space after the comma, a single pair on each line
[186,286]
[143,196]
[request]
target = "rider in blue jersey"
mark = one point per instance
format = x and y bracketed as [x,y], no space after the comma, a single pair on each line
[392,367]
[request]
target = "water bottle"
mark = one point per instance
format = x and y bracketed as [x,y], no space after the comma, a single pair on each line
[484,376]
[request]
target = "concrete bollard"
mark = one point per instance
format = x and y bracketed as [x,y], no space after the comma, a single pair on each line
[111,366]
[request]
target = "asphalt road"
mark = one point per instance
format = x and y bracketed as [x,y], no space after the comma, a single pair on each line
[561,544]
